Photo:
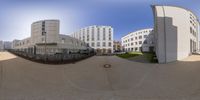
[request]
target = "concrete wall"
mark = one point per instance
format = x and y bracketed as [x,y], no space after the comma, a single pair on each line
[172,33]
[51,28]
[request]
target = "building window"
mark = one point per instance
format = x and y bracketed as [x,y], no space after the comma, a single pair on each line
[109,36]
[92,44]
[104,44]
[83,35]
[135,43]
[131,49]
[43,33]
[131,39]
[109,30]
[190,29]
[88,37]
[140,37]
[98,44]
[135,38]
[131,43]
[43,28]
[140,42]
[190,21]
[104,34]
[109,44]
[87,44]
[92,33]
[98,34]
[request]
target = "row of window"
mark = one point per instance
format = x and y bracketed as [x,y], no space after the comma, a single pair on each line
[93,38]
[133,49]
[137,33]
[192,31]
[21,43]
[193,23]
[131,39]
[136,43]
[82,36]
[193,45]
[98,44]
[192,20]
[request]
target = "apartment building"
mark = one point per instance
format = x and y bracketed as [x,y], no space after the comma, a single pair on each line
[45,39]
[98,37]
[176,32]
[141,40]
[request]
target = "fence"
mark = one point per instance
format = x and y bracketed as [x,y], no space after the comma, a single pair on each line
[57,58]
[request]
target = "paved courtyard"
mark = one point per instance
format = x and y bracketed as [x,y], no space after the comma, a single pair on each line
[21,79]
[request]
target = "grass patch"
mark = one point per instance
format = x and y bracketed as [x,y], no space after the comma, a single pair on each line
[150,56]
[129,54]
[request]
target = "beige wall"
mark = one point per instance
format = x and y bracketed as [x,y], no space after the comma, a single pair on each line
[51,29]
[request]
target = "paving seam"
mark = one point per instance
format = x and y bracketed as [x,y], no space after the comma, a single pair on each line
[107,70]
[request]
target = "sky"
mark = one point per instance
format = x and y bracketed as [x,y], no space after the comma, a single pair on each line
[124,16]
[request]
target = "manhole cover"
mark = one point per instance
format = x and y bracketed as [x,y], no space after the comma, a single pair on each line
[107,66]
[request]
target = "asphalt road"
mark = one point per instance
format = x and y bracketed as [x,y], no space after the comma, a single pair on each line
[21,79]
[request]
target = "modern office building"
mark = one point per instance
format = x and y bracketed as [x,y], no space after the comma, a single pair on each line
[141,40]
[176,32]
[45,39]
[98,37]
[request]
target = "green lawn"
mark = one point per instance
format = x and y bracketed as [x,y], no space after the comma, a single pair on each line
[129,54]
[148,56]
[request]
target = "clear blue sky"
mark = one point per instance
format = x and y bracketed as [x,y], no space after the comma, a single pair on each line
[124,16]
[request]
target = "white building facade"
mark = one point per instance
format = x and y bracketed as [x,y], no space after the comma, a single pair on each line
[176,33]
[45,38]
[98,37]
[141,40]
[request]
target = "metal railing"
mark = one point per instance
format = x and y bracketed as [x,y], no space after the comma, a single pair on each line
[57,58]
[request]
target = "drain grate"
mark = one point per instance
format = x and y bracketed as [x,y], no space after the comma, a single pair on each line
[107,66]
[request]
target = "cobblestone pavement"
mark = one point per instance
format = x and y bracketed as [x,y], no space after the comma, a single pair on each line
[21,79]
